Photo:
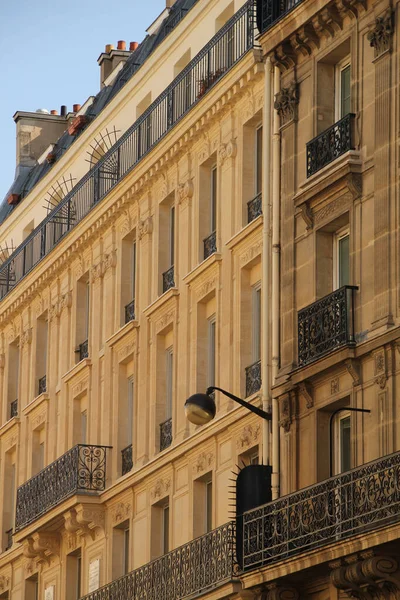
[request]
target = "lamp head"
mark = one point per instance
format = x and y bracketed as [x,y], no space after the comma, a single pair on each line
[200,409]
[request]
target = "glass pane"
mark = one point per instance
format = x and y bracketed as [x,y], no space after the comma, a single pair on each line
[133,270]
[345,462]
[166,530]
[256,324]
[172,237]
[126,551]
[345,91]
[344,260]
[211,353]
[213,199]
[209,506]
[258,160]
[169,382]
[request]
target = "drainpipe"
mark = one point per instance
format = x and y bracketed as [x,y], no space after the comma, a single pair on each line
[265,259]
[276,176]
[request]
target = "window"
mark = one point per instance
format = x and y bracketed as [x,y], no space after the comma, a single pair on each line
[166,250]
[128,278]
[256,322]
[130,411]
[13,379]
[342,442]
[38,450]
[209,505]
[32,588]
[250,457]
[159,543]
[41,355]
[74,575]
[341,258]
[80,421]
[120,550]
[172,236]
[126,551]
[342,88]
[169,357]
[211,350]
[165,529]
[258,160]
[133,270]
[82,317]
[9,493]
[84,427]
[213,200]
[202,505]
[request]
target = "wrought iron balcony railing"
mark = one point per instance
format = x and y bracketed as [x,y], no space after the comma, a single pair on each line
[254,208]
[330,144]
[200,565]
[270,11]
[130,312]
[83,350]
[81,470]
[42,387]
[165,434]
[168,279]
[210,244]
[9,538]
[127,461]
[222,52]
[326,325]
[354,502]
[253,378]
[14,409]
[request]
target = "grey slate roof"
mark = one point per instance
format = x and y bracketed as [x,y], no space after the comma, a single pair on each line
[27,177]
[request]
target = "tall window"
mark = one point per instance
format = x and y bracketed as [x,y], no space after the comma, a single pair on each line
[211,335]
[126,550]
[341,258]
[82,317]
[209,505]
[202,505]
[130,411]
[258,160]
[213,200]
[342,442]
[169,356]
[159,540]
[41,356]
[38,450]
[133,270]
[120,550]
[9,493]
[13,379]
[172,236]
[165,529]
[342,92]
[74,575]
[256,322]
[32,588]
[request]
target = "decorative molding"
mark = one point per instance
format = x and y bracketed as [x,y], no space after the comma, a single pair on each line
[165,320]
[225,151]
[305,40]
[327,22]
[39,420]
[64,301]
[121,512]
[160,489]
[4,583]
[42,546]
[128,349]
[280,591]
[335,386]
[80,387]
[185,192]
[286,103]
[332,209]
[107,261]
[306,391]
[145,227]
[10,442]
[353,368]
[250,253]
[381,34]
[249,436]
[90,518]
[285,412]
[307,216]
[26,337]
[380,368]
[203,463]
[367,576]
[2,361]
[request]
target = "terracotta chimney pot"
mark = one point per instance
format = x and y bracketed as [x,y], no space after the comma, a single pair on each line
[121,45]
[109,47]
[133,46]
[76,107]
[54,112]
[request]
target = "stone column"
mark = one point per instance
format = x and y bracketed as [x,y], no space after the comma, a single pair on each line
[380,37]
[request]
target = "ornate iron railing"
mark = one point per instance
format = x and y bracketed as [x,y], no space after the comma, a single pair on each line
[253,378]
[168,279]
[42,385]
[330,144]
[354,502]
[81,470]
[9,538]
[326,325]
[270,11]
[14,409]
[198,566]
[127,461]
[130,311]
[83,350]
[165,434]
[210,244]
[221,53]
[254,208]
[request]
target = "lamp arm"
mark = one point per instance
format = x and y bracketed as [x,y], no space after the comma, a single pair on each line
[254,409]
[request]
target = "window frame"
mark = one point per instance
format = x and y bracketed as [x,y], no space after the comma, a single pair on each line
[169,381]
[337,442]
[211,349]
[339,235]
[256,301]
[341,66]
[213,198]
[258,148]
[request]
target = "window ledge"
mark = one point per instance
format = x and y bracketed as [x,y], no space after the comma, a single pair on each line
[122,332]
[80,366]
[35,403]
[161,300]
[203,266]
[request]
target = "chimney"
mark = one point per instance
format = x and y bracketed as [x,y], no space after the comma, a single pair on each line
[35,132]
[111,57]
[169,3]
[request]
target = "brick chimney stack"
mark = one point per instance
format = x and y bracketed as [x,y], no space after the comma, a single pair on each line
[111,57]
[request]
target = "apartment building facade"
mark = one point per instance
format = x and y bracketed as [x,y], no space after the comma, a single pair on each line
[223,212]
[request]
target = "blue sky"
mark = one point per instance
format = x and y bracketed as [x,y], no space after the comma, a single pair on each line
[49,51]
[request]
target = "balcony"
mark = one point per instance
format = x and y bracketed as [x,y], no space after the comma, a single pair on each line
[165,434]
[330,144]
[42,387]
[168,279]
[221,53]
[81,470]
[326,325]
[270,11]
[254,208]
[130,312]
[200,565]
[83,350]
[253,378]
[210,244]
[127,461]
[14,409]
[354,502]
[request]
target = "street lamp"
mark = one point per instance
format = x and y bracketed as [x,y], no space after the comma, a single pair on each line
[335,412]
[200,408]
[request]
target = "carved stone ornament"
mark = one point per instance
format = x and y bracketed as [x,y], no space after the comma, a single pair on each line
[285,412]
[160,489]
[286,102]
[42,546]
[4,583]
[306,391]
[250,436]
[185,192]
[279,591]
[367,576]
[86,519]
[227,151]
[121,512]
[145,227]
[380,36]
[26,337]
[108,261]
[335,386]
[353,369]
[203,463]
[64,301]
